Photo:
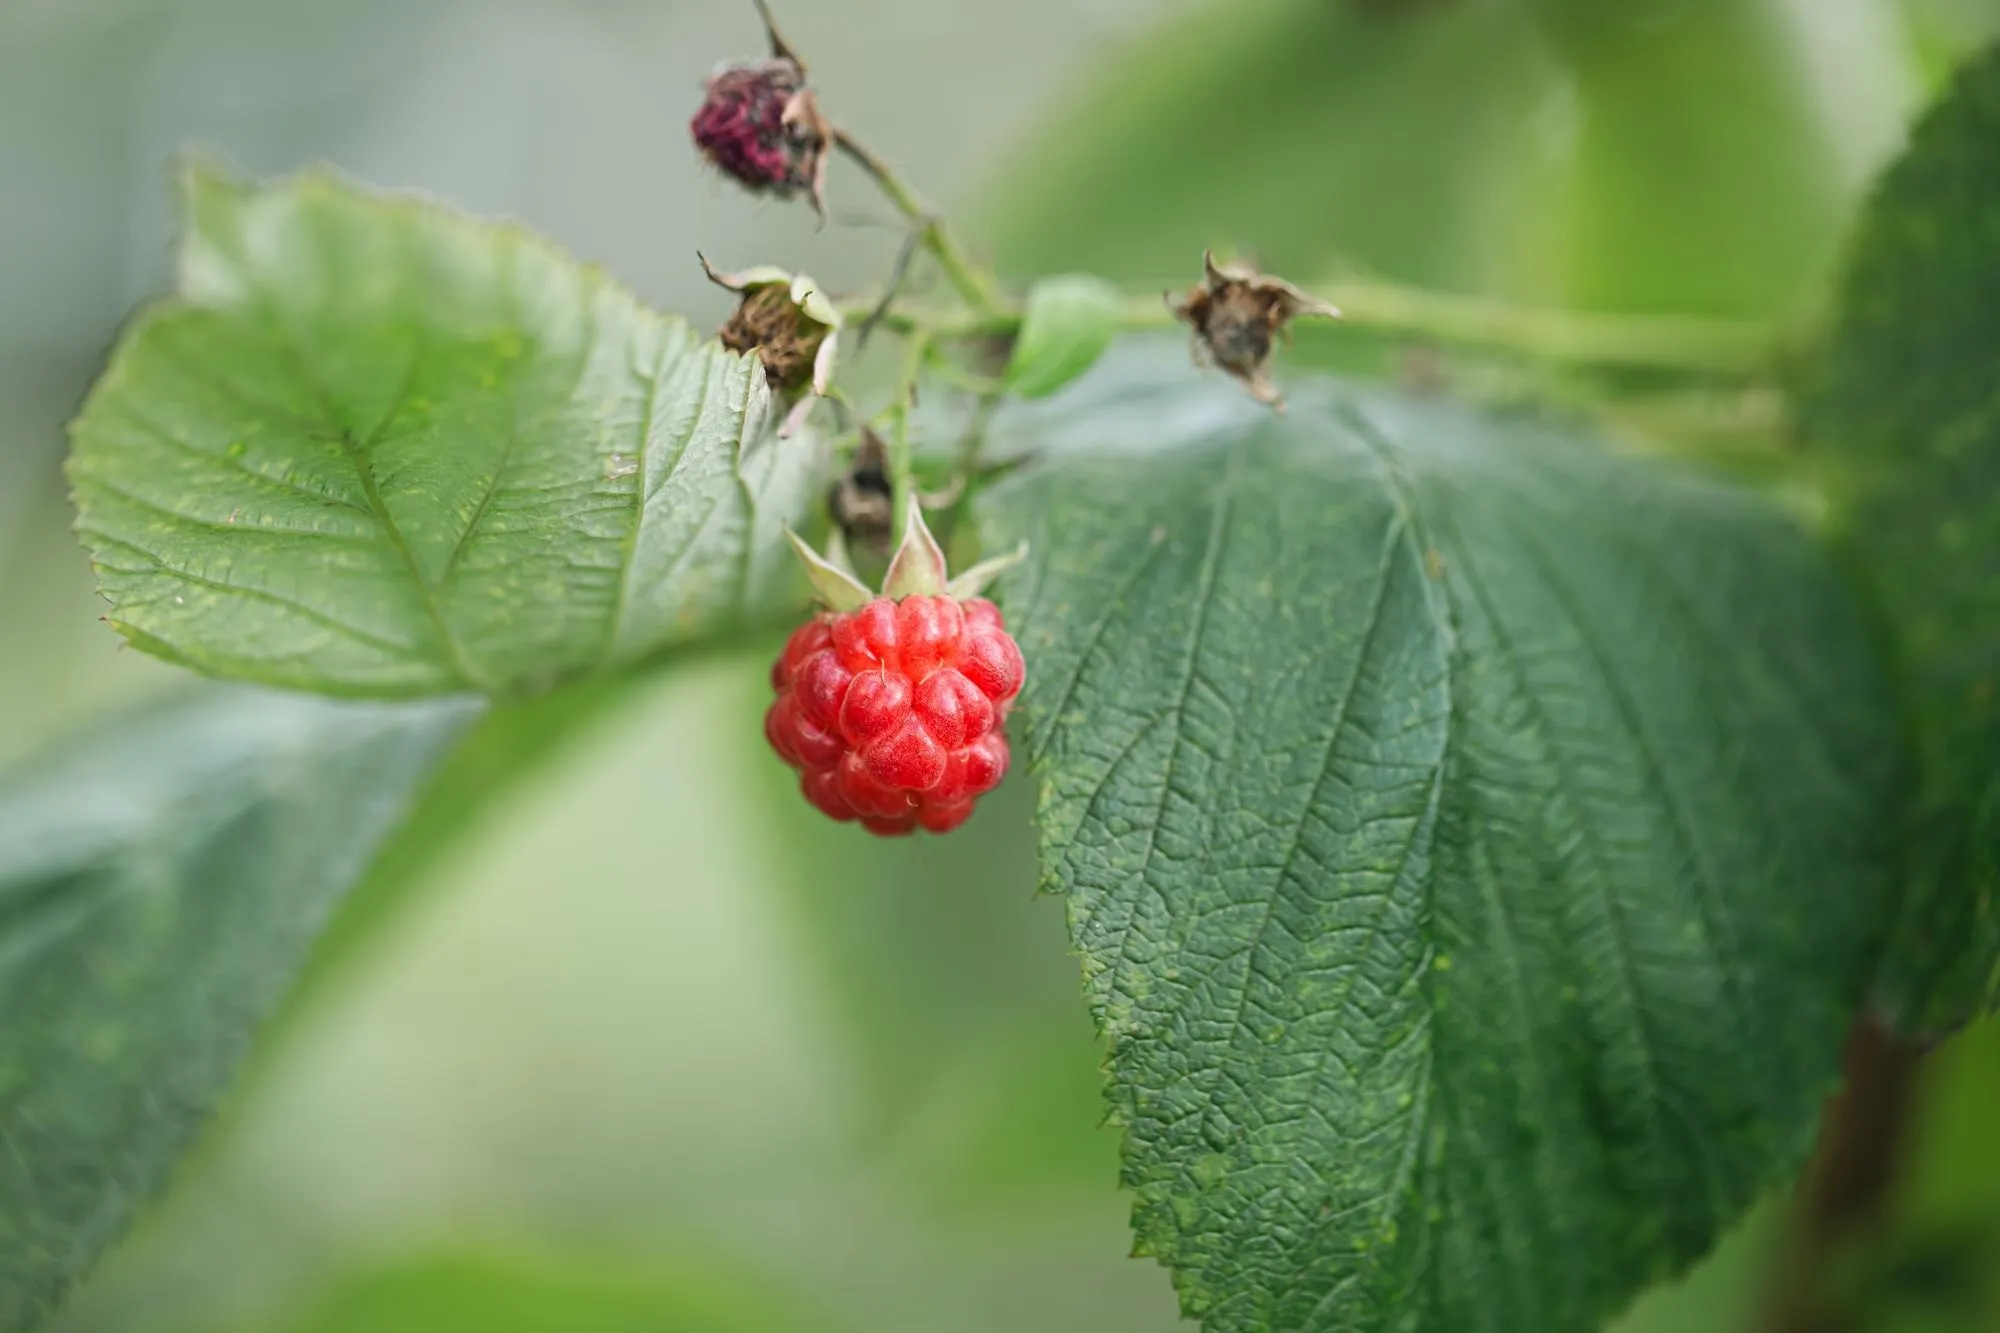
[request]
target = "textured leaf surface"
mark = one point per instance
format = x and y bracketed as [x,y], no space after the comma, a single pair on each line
[1472,840]
[373,447]
[159,889]
[1069,321]
[1909,403]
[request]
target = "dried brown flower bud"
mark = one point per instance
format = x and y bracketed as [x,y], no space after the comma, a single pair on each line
[792,327]
[760,125]
[1237,314]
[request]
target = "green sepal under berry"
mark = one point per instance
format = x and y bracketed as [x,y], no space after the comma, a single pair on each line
[918,568]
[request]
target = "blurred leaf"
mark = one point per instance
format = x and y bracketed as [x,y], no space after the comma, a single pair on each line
[1946,32]
[1014,1117]
[1308,132]
[376,448]
[957,996]
[448,1293]
[1954,1169]
[1724,1292]
[1905,403]
[1069,321]
[160,885]
[1707,165]
[1673,155]
[1429,791]
[509,741]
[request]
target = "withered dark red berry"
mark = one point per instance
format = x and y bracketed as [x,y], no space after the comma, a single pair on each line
[1238,314]
[893,707]
[759,124]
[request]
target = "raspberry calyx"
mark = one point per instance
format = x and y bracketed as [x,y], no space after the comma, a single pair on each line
[1237,313]
[893,707]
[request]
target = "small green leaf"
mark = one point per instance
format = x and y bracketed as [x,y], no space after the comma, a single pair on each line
[1907,403]
[1473,842]
[1068,323]
[160,887]
[372,447]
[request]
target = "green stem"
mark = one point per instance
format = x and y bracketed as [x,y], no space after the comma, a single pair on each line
[1667,342]
[958,377]
[902,469]
[1660,342]
[974,285]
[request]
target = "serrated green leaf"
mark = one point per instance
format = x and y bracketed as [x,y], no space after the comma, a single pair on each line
[372,447]
[1473,841]
[1068,322]
[1907,402]
[160,886]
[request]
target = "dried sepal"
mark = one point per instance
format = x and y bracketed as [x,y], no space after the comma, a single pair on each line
[918,567]
[822,367]
[1238,314]
[746,280]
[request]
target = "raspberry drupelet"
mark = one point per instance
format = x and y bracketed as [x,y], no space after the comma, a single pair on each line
[893,708]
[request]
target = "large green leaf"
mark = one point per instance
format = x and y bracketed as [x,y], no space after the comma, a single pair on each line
[159,888]
[1908,404]
[375,448]
[1474,842]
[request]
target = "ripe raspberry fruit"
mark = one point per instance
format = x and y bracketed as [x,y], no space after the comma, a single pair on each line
[893,708]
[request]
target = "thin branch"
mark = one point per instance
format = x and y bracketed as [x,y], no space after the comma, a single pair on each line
[906,254]
[1673,342]
[1735,348]
[973,284]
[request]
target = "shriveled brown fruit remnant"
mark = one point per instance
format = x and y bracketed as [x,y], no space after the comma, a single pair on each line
[1237,314]
[771,324]
[760,125]
[862,500]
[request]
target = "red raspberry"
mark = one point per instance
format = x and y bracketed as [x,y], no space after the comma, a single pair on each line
[893,707]
[895,714]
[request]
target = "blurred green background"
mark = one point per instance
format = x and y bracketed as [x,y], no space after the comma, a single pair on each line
[656,1048]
